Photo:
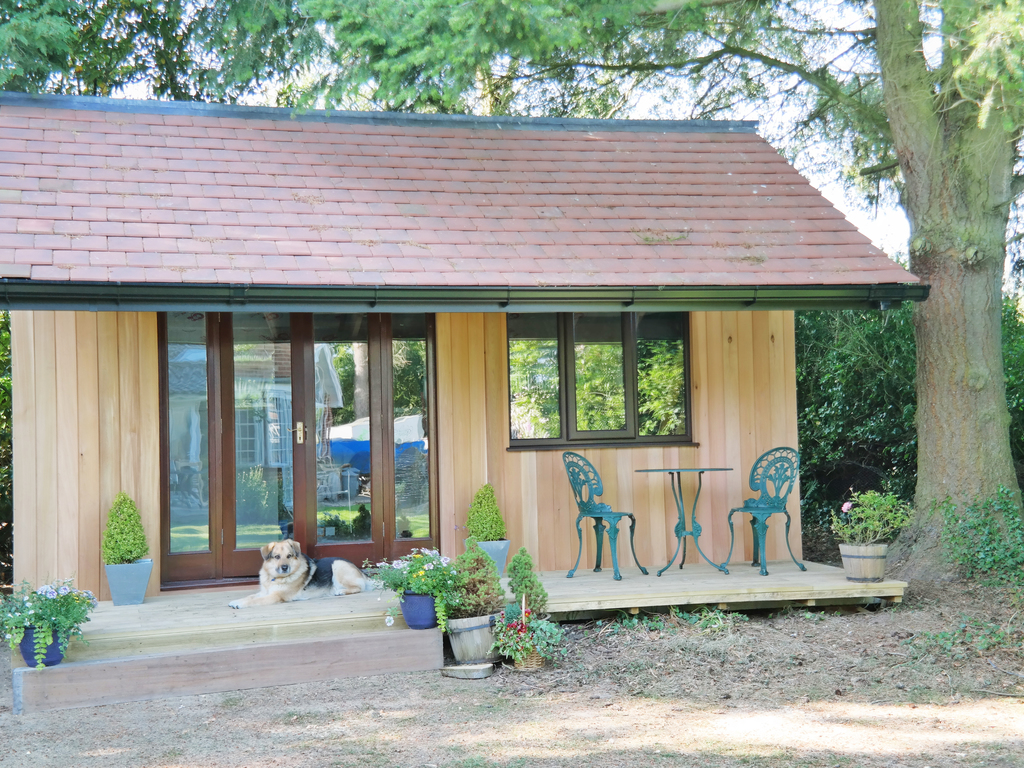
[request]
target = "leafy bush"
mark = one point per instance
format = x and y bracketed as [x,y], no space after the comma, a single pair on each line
[525,583]
[986,538]
[870,518]
[484,522]
[124,540]
[480,593]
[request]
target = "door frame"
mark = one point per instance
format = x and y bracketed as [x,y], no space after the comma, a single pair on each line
[222,564]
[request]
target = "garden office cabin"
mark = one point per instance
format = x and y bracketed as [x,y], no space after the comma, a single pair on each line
[338,326]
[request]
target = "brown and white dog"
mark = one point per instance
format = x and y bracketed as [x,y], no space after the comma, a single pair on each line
[288,575]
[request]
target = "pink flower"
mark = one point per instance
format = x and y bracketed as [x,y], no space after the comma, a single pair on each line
[847,506]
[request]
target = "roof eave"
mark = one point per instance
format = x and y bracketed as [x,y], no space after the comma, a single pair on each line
[31,294]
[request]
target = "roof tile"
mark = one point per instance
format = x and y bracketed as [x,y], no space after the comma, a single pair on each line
[228,198]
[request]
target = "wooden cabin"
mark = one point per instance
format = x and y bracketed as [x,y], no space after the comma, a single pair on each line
[338,326]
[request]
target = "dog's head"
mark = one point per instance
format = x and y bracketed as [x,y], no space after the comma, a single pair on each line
[282,557]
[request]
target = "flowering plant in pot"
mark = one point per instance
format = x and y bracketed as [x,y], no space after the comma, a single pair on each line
[35,620]
[422,572]
[864,528]
[485,524]
[525,638]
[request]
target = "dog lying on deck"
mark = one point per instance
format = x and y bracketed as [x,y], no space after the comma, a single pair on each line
[287,574]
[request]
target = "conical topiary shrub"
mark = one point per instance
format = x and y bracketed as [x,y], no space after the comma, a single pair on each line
[524,582]
[484,521]
[481,593]
[471,621]
[485,524]
[124,547]
[124,540]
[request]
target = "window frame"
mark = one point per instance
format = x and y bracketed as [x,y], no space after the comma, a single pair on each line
[630,436]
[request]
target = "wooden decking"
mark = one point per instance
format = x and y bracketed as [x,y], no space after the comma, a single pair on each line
[186,643]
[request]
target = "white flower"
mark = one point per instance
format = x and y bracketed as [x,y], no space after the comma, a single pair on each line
[389,620]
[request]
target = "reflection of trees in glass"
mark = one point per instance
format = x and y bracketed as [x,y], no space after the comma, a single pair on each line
[533,387]
[600,389]
[661,387]
[410,376]
[252,495]
[345,365]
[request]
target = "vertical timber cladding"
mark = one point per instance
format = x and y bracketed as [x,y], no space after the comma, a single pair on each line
[86,424]
[743,379]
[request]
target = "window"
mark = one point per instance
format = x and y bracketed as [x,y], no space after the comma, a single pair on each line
[598,377]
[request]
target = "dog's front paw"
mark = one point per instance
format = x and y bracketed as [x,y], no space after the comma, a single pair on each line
[235,604]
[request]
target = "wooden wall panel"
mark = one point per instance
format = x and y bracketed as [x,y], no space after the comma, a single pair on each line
[743,394]
[78,378]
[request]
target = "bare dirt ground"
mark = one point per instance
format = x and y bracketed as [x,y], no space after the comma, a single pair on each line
[935,682]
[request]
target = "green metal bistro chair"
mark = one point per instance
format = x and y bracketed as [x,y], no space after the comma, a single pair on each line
[773,476]
[586,486]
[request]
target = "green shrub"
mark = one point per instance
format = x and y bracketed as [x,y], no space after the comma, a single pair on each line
[523,581]
[870,517]
[480,593]
[124,540]
[986,538]
[484,522]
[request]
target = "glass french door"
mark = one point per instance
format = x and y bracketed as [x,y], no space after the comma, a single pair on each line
[313,427]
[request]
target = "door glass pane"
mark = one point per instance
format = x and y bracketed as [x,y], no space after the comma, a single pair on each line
[661,365]
[263,423]
[409,384]
[342,396]
[600,373]
[188,439]
[533,375]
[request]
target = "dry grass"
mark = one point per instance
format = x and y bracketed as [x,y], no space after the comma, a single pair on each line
[896,687]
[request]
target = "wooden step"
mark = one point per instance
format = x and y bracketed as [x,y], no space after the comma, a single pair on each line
[138,678]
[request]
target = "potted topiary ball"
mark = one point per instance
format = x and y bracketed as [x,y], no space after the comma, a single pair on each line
[485,524]
[480,600]
[124,553]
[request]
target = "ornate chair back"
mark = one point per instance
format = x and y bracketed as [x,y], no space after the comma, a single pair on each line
[585,481]
[773,477]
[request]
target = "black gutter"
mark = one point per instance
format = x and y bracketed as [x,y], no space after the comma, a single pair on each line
[18,294]
[236,111]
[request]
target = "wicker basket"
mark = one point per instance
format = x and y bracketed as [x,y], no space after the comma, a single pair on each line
[532,661]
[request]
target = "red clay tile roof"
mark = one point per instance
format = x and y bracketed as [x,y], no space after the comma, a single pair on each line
[194,194]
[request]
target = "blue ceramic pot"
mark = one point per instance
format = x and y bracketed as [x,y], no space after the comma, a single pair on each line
[418,610]
[53,655]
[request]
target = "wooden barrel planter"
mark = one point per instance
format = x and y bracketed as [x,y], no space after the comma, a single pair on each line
[864,562]
[472,638]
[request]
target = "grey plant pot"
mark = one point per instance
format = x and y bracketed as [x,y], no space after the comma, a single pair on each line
[497,551]
[128,581]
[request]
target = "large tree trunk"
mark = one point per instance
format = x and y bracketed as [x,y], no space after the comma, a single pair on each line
[956,192]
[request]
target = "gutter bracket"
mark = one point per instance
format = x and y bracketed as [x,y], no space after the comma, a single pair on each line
[753,301]
[508,298]
[632,298]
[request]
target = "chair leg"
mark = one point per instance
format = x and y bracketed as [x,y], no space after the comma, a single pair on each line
[632,529]
[599,533]
[760,526]
[756,559]
[732,539]
[613,537]
[579,553]
[799,565]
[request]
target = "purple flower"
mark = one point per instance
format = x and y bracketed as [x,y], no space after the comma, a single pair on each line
[63,591]
[847,507]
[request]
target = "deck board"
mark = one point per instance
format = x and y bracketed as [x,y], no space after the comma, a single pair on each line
[184,621]
[180,643]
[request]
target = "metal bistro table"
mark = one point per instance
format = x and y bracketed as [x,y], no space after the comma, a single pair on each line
[681,532]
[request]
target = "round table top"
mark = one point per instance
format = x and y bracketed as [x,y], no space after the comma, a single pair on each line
[690,469]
